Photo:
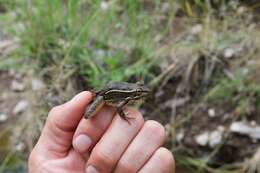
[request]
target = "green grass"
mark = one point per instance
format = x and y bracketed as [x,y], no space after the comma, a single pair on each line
[81,37]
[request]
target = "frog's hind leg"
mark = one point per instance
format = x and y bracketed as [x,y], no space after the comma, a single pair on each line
[94,107]
[121,112]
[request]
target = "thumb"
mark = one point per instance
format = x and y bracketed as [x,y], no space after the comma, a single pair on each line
[62,122]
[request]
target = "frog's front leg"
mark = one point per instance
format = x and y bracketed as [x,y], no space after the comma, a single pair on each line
[120,110]
[94,107]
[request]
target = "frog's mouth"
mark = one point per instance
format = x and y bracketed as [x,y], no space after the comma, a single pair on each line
[143,93]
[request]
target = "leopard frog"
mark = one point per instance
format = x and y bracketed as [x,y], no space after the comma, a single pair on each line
[117,94]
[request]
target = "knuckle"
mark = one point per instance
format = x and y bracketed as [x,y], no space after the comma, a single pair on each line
[139,120]
[124,166]
[155,128]
[55,110]
[103,158]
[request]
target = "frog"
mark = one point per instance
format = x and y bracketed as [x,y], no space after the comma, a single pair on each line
[118,95]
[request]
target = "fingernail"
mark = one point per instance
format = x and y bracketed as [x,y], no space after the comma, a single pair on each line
[82,143]
[91,169]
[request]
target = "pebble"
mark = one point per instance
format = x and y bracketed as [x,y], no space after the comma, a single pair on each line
[37,84]
[165,7]
[3,118]
[202,139]
[211,113]
[229,53]
[210,139]
[104,5]
[196,29]
[180,136]
[215,138]
[245,128]
[17,86]
[20,146]
[21,107]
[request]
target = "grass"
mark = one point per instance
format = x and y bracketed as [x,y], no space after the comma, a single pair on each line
[79,37]
[96,42]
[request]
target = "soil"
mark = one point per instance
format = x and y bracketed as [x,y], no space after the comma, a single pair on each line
[234,148]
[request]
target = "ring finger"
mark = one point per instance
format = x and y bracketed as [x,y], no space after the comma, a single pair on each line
[148,140]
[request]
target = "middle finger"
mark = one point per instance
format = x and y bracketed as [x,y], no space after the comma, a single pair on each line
[114,142]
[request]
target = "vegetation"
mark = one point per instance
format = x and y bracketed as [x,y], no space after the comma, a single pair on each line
[205,50]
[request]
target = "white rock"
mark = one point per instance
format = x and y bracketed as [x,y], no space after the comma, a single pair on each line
[104,5]
[165,7]
[20,146]
[202,139]
[180,136]
[37,84]
[244,128]
[3,118]
[196,29]
[253,123]
[20,107]
[17,86]
[211,113]
[241,10]
[215,138]
[229,52]
[221,128]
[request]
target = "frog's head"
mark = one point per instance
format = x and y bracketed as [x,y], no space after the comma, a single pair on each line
[141,90]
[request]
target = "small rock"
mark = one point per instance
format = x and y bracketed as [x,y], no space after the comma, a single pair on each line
[215,138]
[180,136]
[168,129]
[196,29]
[20,107]
[104,5]
[20,146]
[202,139]
[165,7]
[37,84]
[211,113]
[244,128]
[3,118]
[17,86]
[229,53]
[245,71]
[241,10]
[253,123]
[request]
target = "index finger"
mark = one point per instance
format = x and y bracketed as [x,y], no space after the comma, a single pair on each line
[90,130]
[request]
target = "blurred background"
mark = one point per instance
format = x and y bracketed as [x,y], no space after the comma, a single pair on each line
[201,58]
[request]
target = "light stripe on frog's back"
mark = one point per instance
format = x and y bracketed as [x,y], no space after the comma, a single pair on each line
[118,94]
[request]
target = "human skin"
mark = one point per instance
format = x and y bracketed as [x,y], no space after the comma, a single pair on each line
[103,144]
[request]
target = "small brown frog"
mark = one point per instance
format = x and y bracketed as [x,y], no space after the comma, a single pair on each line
[117,94]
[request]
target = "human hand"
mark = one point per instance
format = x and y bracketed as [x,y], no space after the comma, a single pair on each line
[105,143]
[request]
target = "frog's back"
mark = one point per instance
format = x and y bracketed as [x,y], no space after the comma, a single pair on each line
[120,85]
